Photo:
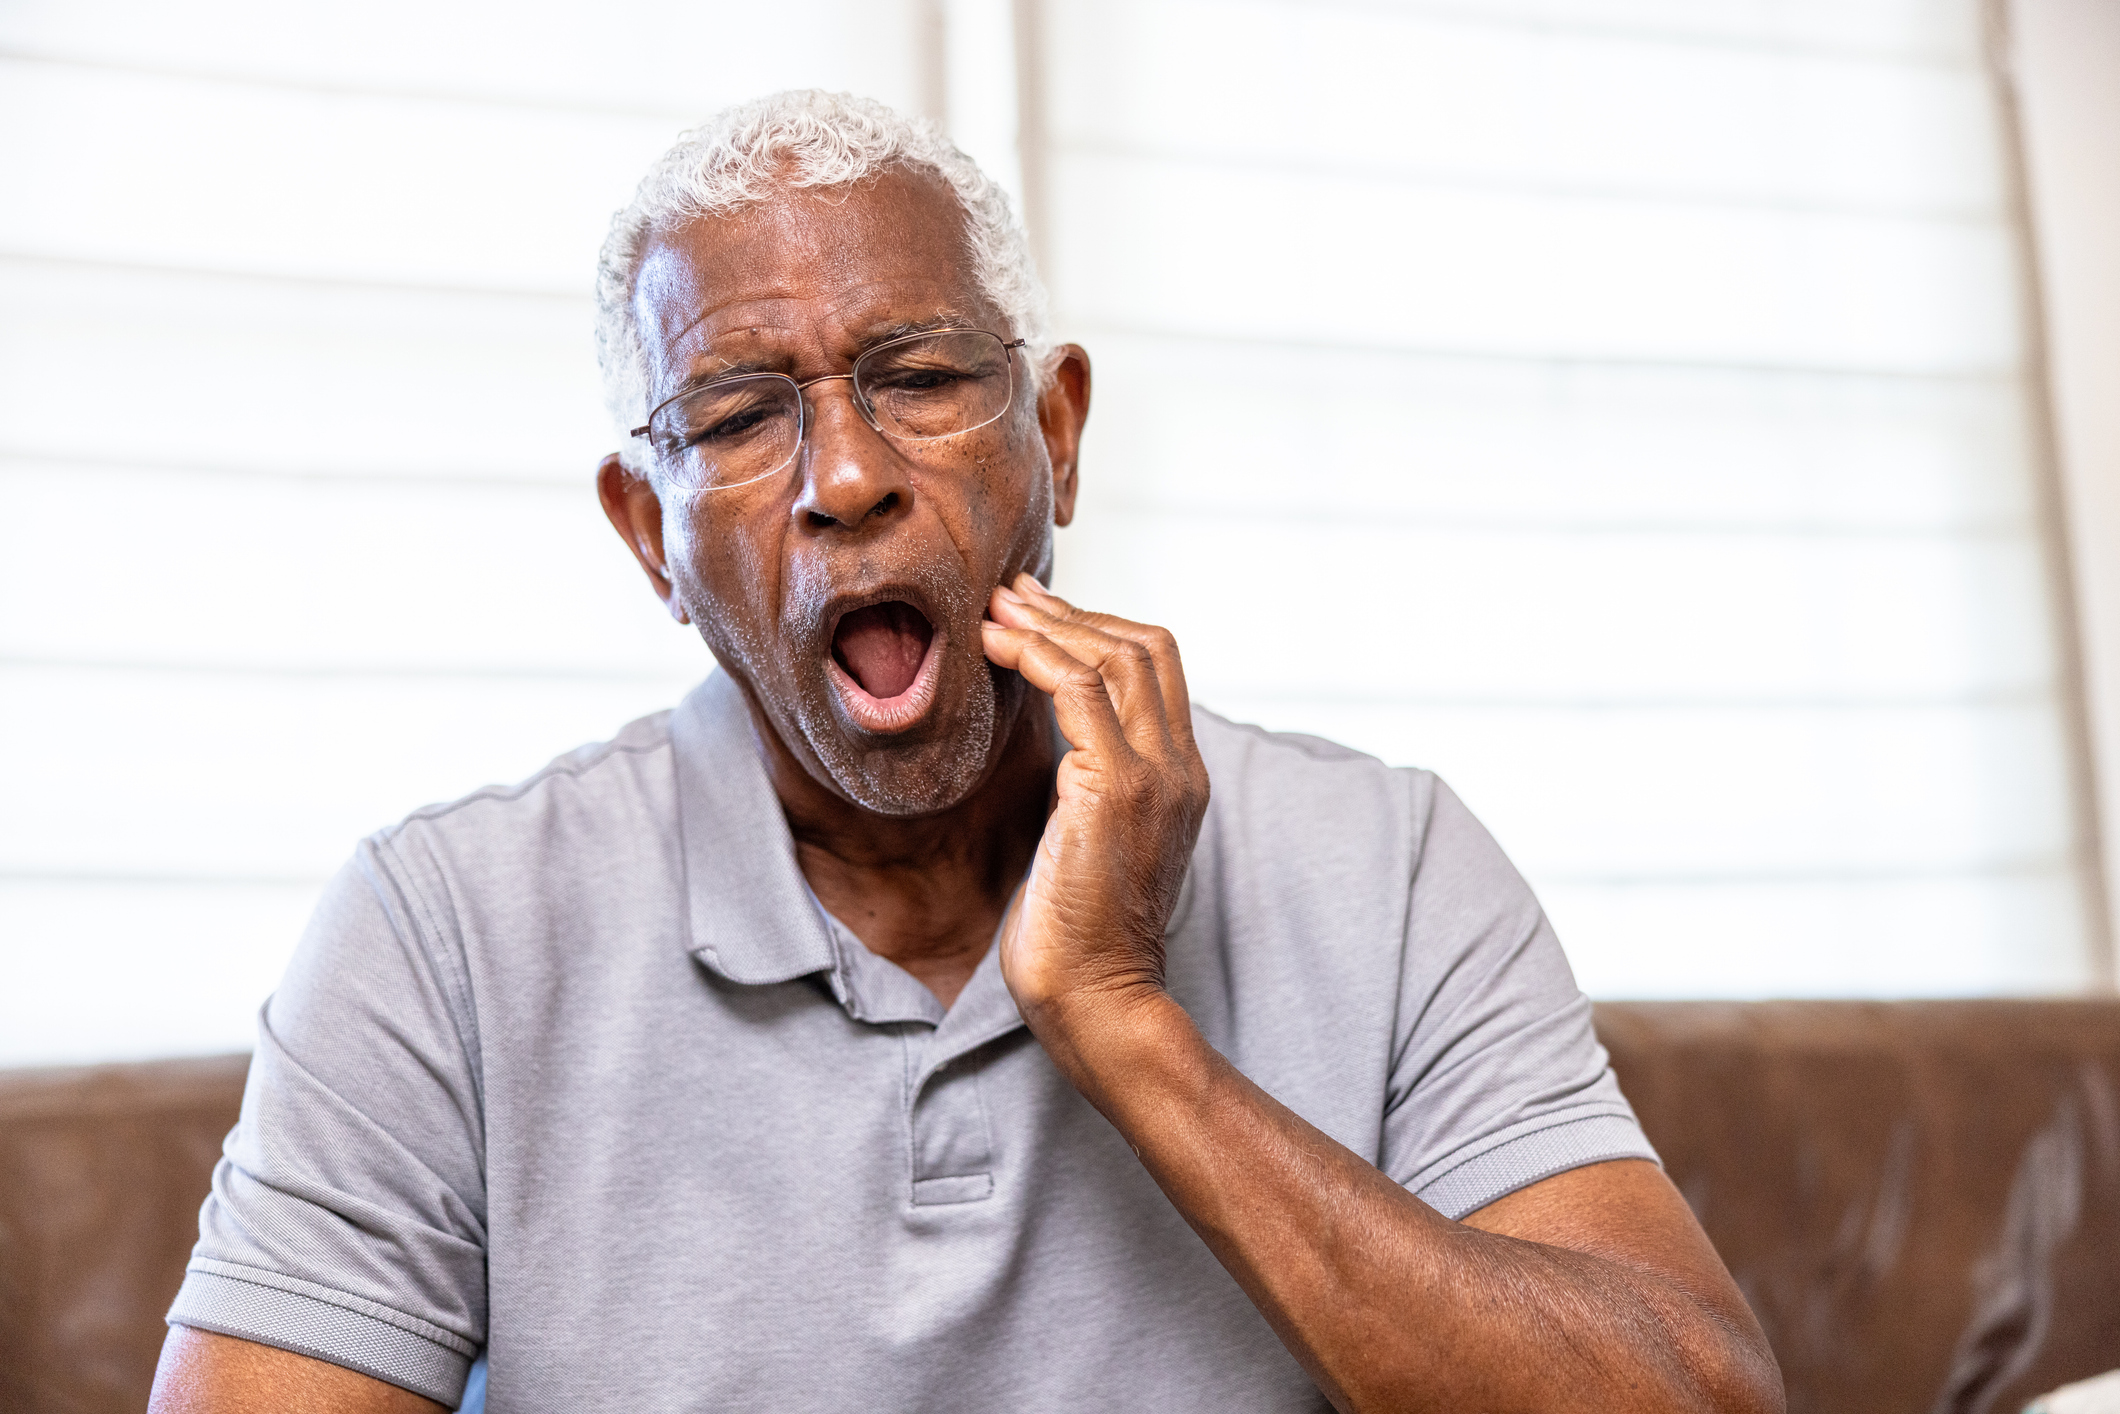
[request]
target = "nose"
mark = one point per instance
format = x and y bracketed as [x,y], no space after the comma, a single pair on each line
[853,478]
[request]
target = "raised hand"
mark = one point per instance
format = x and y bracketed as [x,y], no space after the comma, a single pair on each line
[1591,1289]
[1084,942]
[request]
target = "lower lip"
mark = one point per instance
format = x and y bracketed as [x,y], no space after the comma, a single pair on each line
[885,715]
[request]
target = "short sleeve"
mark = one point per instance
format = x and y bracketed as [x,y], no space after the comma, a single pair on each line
[347,1216]
[1497,1078]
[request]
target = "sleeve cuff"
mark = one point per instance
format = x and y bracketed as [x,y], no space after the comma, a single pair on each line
[1524,1159]
[313,1320]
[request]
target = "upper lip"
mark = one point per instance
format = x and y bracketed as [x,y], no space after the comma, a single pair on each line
[846,602]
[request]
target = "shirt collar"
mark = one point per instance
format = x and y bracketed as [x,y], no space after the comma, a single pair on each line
[753,917]
[747,904]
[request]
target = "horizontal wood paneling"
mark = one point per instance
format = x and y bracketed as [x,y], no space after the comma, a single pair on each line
[1967,934]
[165,171]
[1692,795]
[171,568]
[1194,426]
[1347,606]
[1921,31]
[119,365]
[118,971]
[1617,407]
[1186,248]
[242,776]
[298,420]
[621,55]
[1420,92]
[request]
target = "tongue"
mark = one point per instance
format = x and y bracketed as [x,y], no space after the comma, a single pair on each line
[881,647]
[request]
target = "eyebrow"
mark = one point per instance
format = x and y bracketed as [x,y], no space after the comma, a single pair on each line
[913,326]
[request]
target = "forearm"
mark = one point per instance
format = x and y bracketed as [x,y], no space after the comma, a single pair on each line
[204,1373]
[1387,1303]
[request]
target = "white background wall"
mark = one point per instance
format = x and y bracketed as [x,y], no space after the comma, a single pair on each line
[1614,405]
[298,420]
[1619,407]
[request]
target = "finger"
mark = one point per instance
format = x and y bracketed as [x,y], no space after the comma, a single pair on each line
[1162,649]
[1081,702]
[1128,671]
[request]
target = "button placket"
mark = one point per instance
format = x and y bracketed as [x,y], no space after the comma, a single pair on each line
[952,1145]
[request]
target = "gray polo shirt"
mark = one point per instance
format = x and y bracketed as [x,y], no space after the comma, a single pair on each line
[579,1074]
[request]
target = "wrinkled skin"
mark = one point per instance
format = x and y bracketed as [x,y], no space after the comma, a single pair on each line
[800,285]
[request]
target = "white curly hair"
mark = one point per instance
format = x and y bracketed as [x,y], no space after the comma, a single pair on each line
[801,138]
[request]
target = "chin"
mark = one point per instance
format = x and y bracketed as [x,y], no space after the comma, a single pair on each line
[919,750]
[885,689]
[925,771]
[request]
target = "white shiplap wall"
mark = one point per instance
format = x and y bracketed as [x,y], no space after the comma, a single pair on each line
[1614,404]
[298,419]
[1617,406]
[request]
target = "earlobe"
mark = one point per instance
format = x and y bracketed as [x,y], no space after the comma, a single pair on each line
[1063,493]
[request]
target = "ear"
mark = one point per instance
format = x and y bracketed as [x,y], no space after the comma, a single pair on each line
[1062,409]
[635,512]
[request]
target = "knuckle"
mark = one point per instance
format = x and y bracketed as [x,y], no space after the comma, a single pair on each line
[1132,656]
[1082,679]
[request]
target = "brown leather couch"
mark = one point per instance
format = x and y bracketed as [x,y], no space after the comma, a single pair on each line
[1921,1200]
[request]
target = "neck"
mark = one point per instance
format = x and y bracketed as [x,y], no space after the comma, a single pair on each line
[926,892]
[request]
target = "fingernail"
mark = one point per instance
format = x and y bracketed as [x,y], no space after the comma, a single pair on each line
[1009,594]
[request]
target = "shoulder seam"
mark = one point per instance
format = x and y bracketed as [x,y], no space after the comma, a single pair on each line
[521,788]
[1305,744]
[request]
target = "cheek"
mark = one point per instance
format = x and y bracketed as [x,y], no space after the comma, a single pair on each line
[1009,486]
[729,569]
[994,510]
[1022,491]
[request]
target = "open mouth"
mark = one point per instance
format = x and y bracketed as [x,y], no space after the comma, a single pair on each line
[885,660]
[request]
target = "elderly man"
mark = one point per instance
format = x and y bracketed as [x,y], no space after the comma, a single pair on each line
[935,1011]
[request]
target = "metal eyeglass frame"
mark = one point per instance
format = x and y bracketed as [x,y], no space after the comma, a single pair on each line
[861,404]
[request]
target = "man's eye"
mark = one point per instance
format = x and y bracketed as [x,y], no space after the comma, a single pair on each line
[919,380]
[729,428]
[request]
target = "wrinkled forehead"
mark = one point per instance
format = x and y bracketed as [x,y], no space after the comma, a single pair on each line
[806,277]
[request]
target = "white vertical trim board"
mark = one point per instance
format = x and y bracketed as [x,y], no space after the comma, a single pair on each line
[2065,57]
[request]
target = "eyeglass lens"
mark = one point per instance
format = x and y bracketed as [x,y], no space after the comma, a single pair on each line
[915,389]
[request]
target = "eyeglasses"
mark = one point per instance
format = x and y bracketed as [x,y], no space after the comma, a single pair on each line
[918,388]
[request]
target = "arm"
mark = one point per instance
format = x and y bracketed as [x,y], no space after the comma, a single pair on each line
[346,1216]
[1594,1289]
[204,1373]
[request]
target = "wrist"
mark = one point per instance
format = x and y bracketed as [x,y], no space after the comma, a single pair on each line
[1122,1048]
